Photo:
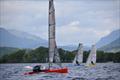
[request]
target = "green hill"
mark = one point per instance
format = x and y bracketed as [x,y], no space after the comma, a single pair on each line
[7,50]
[40,55]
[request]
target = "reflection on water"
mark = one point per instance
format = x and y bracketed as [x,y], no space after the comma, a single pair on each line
[102,71]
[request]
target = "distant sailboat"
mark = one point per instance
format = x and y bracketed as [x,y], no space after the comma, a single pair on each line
[91,61]
[79,56]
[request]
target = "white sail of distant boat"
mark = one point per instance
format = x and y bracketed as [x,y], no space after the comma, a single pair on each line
[79,56]
[92,57]
[53,52]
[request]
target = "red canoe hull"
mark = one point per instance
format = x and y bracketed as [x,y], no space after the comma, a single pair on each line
[62,70]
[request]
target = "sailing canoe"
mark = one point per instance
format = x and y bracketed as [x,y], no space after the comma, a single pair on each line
[62,70]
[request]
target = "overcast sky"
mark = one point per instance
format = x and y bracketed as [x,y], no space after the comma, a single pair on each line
[84,21]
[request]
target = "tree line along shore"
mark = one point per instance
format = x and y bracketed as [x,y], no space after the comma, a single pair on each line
[40,55]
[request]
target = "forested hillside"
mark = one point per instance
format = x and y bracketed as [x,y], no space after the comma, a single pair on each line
[40,54]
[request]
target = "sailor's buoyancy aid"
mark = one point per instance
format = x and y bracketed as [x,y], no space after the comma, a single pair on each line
[37,68]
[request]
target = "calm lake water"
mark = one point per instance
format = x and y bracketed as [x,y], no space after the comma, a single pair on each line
[102,71]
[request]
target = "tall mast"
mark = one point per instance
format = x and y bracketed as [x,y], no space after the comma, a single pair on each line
[53,53]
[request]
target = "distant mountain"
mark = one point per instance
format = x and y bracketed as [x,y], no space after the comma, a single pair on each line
[73,47]
[68,47]
[108,39]
[114,46]
[22,34]
[7,50]
[19,39]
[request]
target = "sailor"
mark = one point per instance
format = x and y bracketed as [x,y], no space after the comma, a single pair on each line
[92,63]
[38,68]
[77,62]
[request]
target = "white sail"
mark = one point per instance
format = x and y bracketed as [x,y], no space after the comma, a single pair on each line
[56,58]
[53,53]
[79,56]
[92,57]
